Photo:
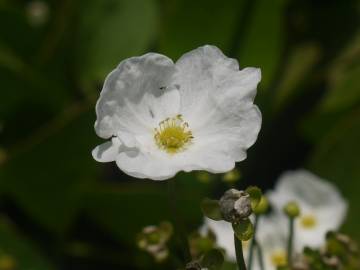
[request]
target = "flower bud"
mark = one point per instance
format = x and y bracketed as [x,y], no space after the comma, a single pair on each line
[232,176]
[203,177]
[235,205]
[37,12]
[153,240]
[292,209]
[193,266]
[7,262]
[262,207]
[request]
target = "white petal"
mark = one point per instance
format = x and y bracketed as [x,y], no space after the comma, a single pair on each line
[148,161]
[136,95]
[108,151]
[142,165]
[224,236]
[217,99]
[206,71]
[235,129]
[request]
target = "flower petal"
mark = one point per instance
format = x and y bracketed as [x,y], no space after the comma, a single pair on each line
[136,95]
[108,151]
[141,165]
[217,99]
[148,161]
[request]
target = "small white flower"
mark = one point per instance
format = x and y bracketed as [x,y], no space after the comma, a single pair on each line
[321,204]
[162,118]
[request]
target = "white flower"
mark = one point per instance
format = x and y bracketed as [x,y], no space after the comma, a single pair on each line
[162,118]
[321,204]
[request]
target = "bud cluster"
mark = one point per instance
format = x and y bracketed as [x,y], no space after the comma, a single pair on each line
[235,206]
[153,239]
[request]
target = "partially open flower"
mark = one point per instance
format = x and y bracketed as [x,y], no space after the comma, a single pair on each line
[161,118]
[235,205]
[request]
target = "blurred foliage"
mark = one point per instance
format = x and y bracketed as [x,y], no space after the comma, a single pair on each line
[62,210]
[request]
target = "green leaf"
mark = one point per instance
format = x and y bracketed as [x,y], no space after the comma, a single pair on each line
[263,43]
[56,166]
[20,250]
[255,196]
[243,230]
[212,260]
[211,209]
[189,24]
[110,31]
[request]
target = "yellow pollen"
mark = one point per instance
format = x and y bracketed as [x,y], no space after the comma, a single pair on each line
[173,134]
[308,221]
[278,258]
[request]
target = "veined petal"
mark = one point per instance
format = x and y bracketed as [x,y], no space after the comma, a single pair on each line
[136,95]
[224,111]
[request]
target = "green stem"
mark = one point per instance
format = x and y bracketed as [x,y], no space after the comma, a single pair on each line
[290,241]
[239,254]
[253,244]
[178,224]
[260,256]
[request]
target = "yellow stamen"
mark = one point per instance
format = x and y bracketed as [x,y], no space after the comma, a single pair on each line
[278,258]
[173,135]
[308,221]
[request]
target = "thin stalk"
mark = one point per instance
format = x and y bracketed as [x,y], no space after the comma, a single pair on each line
[253,244]
[290,241]
[178,224]
[260,256]
[239,254]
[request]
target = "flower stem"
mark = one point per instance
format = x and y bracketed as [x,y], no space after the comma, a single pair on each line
[239,254]
[253,243]
[178,224]
[260,256]
[290,241]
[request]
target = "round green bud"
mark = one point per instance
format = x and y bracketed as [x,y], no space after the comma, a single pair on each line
[292,209]
[203,177]
[232,176]
[262,207]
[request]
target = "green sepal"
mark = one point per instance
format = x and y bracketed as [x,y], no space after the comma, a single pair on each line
[255,196]
[243,230]
[211,209]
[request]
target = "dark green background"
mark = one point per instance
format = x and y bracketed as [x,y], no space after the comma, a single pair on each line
[62,210]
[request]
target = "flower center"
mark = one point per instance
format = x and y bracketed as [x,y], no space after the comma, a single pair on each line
[278,258]
[308,221]
[173,134]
